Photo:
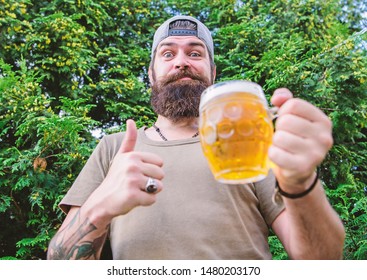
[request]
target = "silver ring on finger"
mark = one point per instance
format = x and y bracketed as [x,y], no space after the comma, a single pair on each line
[151,185]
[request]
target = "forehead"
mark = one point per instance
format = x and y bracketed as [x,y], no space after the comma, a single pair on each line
[182,41]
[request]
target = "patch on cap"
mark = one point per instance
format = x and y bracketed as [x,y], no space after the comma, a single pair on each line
[182,32]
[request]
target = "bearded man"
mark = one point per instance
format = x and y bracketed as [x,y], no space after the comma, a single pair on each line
[187,213]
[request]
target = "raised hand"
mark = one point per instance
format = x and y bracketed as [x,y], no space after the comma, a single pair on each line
[124,186]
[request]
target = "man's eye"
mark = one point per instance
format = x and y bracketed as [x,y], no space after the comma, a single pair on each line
[195,54]
[167,54]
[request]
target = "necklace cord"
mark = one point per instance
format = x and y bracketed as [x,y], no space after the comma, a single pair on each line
[157,129]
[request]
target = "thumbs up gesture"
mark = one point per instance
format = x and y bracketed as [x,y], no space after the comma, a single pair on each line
[124,186]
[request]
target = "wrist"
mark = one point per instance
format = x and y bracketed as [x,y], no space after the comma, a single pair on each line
[299,194]
[97,214]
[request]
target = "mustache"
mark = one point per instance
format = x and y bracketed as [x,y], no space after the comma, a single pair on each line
[181,74]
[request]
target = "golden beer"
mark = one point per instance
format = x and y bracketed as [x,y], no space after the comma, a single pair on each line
[236,131]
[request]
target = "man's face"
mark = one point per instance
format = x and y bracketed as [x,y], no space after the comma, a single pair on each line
[180,73]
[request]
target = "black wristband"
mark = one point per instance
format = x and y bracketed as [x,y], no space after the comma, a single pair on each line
[297,195]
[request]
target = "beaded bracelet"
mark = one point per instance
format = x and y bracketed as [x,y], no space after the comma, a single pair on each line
[297,195]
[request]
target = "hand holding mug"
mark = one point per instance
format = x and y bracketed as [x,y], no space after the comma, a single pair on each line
[302,138]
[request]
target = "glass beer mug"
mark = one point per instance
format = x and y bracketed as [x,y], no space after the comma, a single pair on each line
[236,130]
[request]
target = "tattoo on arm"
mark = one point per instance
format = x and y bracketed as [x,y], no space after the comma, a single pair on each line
[73,247]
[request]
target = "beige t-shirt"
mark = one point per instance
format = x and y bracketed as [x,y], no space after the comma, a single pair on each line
[194,217]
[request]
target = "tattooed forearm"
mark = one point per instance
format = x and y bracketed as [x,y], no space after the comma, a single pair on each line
[77,241]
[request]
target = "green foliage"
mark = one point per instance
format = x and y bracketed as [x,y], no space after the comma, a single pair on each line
[41,153]
[70,67]
[276,248]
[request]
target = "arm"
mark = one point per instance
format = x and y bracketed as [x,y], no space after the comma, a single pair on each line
[78,238]
[308,227]
[85,228]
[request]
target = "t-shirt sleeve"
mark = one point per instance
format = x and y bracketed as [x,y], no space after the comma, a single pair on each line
[264,191]
[93,173]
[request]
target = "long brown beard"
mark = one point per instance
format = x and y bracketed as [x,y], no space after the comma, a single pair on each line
[178,99]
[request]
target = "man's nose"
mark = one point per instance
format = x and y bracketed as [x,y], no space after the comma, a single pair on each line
[181,61]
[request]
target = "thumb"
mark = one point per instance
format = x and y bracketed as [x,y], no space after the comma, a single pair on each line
[128,143]
[280,96]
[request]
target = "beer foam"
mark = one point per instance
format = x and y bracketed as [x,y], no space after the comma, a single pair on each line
[223,88]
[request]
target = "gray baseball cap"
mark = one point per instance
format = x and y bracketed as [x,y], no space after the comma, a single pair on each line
[202,33]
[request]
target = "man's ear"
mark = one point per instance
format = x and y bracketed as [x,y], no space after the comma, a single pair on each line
[150,75]
[214,73]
